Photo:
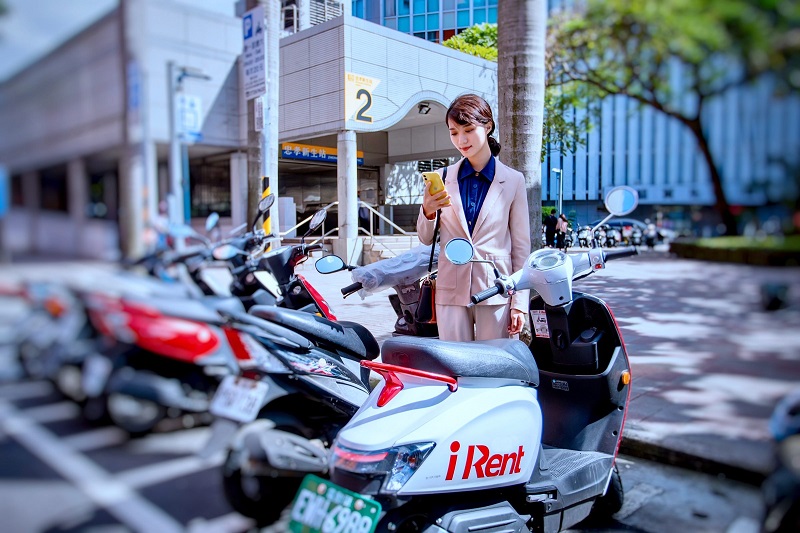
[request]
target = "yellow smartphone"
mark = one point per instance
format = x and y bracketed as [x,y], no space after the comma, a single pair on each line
[437,185]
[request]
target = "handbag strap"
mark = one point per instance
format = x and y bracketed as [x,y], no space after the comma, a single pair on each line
[436,227]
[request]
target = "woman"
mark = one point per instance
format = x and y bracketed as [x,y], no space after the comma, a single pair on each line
[485,202]
[561,232]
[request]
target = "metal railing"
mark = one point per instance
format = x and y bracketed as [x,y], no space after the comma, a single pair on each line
[368,233]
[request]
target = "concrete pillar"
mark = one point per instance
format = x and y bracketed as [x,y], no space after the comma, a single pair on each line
[32,198]
[348,245]
[238,167]
[78,198]
[131,207]
[303,14]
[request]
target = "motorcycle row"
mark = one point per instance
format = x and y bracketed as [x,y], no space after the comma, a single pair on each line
[490,435]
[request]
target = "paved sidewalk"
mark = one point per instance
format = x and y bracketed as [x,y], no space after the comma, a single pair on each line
[709,364]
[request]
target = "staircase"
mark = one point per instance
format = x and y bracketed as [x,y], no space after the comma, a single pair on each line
[386,246]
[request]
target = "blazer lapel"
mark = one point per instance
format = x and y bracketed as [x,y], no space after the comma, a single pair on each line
[492,196]
[451,184]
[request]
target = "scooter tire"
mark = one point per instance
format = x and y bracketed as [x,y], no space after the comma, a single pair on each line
[258,497]
[133,426]
[611,502]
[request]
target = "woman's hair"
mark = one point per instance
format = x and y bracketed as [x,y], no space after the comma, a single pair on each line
[472,109]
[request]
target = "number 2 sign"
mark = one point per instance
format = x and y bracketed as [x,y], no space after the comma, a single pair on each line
[358,97]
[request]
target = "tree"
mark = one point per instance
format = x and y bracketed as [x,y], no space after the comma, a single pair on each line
[522,25]
[632,48]
[560,134]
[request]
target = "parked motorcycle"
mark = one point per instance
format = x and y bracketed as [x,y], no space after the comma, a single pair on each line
[489,434]
[584,236]
[613,236]
[781,489]
[170,354]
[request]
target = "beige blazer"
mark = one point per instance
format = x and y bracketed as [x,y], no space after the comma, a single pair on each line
[502,234]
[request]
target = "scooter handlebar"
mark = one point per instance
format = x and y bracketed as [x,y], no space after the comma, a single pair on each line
[350,289]
[619,253]
[486,294]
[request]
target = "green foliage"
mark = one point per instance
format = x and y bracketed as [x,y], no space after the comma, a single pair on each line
[479,40]
[564,129]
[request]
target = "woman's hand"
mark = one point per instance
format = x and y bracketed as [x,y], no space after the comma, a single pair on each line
[431,204]
[517,321]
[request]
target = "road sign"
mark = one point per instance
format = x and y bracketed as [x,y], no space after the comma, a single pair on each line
[358,91]
[253,33]
[190,109]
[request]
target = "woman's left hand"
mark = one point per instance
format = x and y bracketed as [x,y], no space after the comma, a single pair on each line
[517,321]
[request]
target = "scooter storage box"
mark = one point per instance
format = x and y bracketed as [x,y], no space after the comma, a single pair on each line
[582,352]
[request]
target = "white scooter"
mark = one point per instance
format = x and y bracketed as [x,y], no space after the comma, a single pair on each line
[489,435]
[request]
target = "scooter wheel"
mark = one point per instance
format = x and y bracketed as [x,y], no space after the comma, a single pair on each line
[611,502]
[137,416]
[261,498]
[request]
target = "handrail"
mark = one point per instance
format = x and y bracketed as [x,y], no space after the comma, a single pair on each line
[296,226]
[380,215]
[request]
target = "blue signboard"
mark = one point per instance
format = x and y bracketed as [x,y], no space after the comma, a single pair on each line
[307,152]
[5,192]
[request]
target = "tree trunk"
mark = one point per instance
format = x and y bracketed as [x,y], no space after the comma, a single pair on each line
[521,29]
[721,202]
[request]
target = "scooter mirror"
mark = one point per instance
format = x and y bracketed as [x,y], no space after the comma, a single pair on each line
[265,203]
[317,220]
[212,221]
[621,200]
[329,264]
[459,251]
[268,281]
[181,231]
[226,252]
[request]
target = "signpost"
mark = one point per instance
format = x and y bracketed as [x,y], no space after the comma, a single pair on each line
[190,109]
[253,32]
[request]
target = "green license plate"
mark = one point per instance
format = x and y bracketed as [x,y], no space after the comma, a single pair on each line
[321,506]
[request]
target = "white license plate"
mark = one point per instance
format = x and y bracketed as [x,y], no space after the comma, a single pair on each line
[239,399]
[96,370]
[321,506]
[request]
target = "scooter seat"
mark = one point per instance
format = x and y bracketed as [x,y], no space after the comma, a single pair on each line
[350,337]
[501,358]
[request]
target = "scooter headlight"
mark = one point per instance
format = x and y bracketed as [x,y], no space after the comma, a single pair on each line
[396,465]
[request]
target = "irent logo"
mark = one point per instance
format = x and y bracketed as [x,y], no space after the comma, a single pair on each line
[484,462]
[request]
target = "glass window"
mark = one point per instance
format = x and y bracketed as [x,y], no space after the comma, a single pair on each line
[479,3]
[433,21]
[446,34]
[479,16]
[102,195]
[419,22]
[463,19]
[358,8]
[17,196]
[419,7]
[54,189]
[391,23]
[433,36]
[449,20]
[463,4]
[403,24]
[493,15]
[433,5]
[492,2]
[210,187]
[404,7]
[389,8]
[448,4]
[420,34]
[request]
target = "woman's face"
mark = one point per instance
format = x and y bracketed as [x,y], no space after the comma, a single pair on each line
[470,140]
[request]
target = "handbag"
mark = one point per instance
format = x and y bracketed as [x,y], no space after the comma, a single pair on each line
[426,305]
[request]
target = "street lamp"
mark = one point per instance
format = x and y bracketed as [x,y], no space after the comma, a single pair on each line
[560,188]
[176,75]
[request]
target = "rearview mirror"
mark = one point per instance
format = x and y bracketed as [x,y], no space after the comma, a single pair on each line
[621,200]
[459,251]
[317,220]
[226,252]
[212,221]
[329,264]
[265,204]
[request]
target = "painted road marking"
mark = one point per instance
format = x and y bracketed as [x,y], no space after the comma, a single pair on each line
[167,470]
[96,439]
[119,500]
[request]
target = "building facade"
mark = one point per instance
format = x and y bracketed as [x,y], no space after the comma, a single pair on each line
[754,134]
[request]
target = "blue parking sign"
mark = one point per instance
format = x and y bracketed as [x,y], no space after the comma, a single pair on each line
[247,26]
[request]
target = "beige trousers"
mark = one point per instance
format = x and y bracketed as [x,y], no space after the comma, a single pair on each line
[481,322]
